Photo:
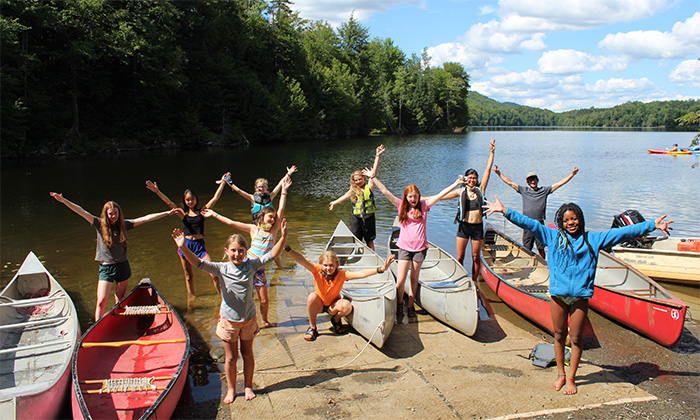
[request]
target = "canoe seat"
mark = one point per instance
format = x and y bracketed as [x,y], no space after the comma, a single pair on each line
[532,288]
[142,310]
[495,247]
[447,284]
[128,385]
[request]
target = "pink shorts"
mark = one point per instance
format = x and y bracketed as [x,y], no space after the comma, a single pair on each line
[230,331]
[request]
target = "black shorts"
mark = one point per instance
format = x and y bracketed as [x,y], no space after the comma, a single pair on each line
[364,229]
[115,273]
[474,231]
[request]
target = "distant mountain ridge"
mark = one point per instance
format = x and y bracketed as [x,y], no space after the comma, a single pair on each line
[485,111]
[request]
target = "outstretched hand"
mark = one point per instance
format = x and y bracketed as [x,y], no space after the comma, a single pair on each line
[176,210]
[663,225]
[178,237]
[283,228]
[207,212]
[492,145]
[152,186]
[368,172]
[286,182]
[495,206]
[388,262]
[496,170]
[380,149]
[575,171]
[331,205]
[291,170]
[57,196]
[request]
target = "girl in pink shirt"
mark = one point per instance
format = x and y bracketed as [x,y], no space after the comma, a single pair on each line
[413,241]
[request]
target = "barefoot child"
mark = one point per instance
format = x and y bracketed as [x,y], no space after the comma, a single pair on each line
[572,255]
[328,281]
[413,240]
[361,192]
[192,226]
[111,247]
[237,313]
[262,238]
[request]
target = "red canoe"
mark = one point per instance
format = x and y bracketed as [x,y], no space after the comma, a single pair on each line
[518,276]
[132,363]
[633,299]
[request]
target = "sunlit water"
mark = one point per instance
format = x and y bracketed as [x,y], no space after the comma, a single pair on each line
[616,174]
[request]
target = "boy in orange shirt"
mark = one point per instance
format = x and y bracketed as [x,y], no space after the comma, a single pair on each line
[328,282]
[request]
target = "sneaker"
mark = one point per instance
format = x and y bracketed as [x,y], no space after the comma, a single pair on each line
[412,312]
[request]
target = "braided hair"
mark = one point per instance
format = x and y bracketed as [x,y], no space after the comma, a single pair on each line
[563,238]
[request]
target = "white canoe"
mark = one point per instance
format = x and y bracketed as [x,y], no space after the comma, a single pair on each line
[445,290]
[373,298]
[663,261]
[38,331]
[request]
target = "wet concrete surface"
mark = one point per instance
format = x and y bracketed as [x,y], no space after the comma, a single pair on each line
[427,370]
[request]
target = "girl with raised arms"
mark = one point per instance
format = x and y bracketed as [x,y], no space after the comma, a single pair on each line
[572,256]
[413,241]
[361,192]
[111,246]
[262,238]
[192,226]
[237,314]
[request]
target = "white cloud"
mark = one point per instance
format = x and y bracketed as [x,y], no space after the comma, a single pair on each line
[339,11]
[646,44]
[486,10]
[574,14]
[687,74]
[563,62]
[688,31]
[536,43]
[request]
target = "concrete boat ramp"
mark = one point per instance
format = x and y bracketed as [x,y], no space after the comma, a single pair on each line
[426,370]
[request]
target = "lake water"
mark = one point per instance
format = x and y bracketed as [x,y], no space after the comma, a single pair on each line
[616,174]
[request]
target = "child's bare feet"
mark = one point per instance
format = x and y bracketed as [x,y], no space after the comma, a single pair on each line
[570,388]
[230,396]
[268,324]
[559,382]
[249,394]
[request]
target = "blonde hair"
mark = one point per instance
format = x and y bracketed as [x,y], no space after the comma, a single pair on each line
[329,256]
[237,238]
[263,180]
[106,227]
[357,191]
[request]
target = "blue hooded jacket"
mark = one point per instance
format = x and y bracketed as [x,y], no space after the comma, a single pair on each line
[572,273]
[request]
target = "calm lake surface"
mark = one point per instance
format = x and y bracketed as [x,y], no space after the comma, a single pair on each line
[616,174]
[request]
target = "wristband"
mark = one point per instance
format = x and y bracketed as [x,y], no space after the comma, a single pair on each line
[379,271]
[287,248]
[216,215]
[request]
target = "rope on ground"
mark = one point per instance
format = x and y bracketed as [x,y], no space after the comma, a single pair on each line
[278,371]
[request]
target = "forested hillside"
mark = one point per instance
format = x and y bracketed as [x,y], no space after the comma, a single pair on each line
[96,75]
[102,75]
[487,112]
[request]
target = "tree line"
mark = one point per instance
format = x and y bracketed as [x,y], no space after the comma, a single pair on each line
[90,75]
[98,75]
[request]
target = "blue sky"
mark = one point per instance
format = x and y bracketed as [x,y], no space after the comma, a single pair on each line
[553,54]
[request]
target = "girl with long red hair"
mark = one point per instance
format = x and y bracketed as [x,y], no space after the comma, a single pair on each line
[413,241]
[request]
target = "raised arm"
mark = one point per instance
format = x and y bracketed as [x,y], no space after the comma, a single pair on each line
[300,259]
[340,199]
[287,182]
[76,208]
[565,179]
[430,201]
[494,207]
[243,227]
[391,197]
[155,216]
[375,167]
[179,239]
[352,275]
[242,193]
[505,179]
[278,187]
[489,164]
[277,249]
[153,187]
[219,190]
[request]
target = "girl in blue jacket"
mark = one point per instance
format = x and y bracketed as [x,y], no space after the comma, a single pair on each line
[572,255]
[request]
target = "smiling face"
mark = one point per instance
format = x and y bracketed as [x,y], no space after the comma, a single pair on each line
[472,180]
[190,200]
[261,186]
[329,267]
[532,182]
[113,215]
[358,180]
[235,252]
[269,219]
[570,222]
